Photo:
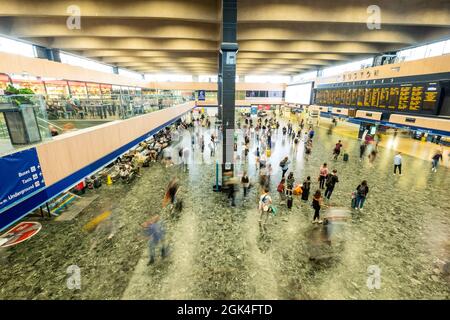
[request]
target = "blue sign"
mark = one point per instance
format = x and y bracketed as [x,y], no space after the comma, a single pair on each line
[254,110]
[201,95]
[21,175]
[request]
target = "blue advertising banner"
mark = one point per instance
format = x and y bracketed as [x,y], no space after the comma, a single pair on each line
[21,177]
[201,95]
[254,110]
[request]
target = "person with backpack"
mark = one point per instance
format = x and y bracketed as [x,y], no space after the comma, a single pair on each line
[317,203]
[306,186]
[290,181]
[265,202]
[361,194]
[332,179]
[289,189]
[311,133]
[284,164]
[337,150]
[323,173]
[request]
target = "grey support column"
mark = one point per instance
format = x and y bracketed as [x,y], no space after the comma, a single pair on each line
[219,88]
[228,54]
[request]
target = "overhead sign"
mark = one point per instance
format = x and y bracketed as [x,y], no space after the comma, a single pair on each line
[22,175]
[21,232]
[201,95]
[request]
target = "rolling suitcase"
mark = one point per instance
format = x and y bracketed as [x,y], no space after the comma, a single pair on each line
[345,156]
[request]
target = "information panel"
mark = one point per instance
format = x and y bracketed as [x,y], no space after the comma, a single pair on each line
[22,172]
[430,97]
[408,97]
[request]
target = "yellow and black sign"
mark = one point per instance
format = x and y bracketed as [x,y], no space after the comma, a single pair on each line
[410,97]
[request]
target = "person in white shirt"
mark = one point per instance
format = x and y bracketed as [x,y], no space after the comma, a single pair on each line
[398,163]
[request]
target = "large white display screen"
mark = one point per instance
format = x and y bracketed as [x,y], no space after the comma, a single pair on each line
[299,93]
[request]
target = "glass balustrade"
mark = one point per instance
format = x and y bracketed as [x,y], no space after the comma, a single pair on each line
[31,119]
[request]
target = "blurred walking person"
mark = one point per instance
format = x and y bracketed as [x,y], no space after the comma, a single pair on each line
[361,194]
[155,231]
[435,160]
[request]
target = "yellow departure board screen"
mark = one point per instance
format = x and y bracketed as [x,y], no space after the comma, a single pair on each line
[367,97]
[413,98]
[430,98]
[375,97]
[354,101]
[394,93]
[348,97]
[383,100]
[404,99]
[361,97]
[416,98]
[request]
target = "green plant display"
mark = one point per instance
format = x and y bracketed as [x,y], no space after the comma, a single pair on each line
[19,98]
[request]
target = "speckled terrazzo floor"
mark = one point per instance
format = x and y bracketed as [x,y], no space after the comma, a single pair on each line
[218,252]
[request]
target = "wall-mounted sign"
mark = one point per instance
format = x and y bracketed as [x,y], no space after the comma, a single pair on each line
[421,97]
[22,172]
[231,57]
[201,95]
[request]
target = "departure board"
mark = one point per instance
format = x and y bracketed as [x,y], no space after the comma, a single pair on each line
[375,97]
[367,97]
[405,96]
[408,97]
[416,98]
[430,97]
[383,99]
[394,93]
[354,101]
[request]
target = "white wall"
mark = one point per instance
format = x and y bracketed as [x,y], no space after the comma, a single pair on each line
[299,93]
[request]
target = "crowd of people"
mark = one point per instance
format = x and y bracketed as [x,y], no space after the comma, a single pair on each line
[259,134]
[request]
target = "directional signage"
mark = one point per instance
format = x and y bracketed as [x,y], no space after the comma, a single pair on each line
[201,95]
[22,177]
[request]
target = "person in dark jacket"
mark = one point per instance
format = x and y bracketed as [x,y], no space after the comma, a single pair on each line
[306,188]
[435,160]
[362,150]
[317,203]
[361,194]
[332,179]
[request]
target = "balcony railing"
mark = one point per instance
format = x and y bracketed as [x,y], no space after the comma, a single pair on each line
[29,119]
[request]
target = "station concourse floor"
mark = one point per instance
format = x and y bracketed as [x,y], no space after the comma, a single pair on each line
[219,252]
